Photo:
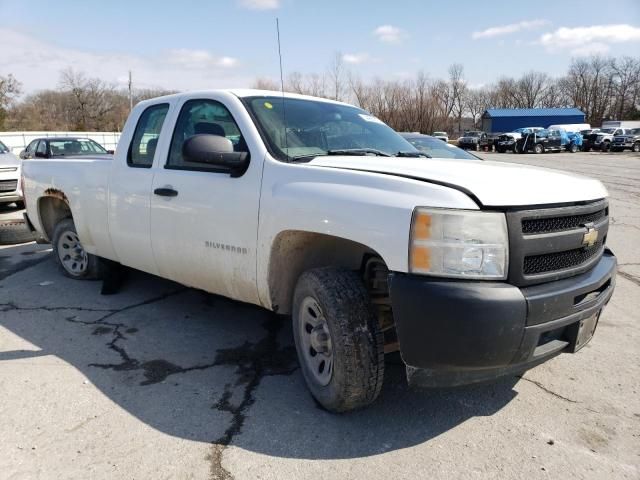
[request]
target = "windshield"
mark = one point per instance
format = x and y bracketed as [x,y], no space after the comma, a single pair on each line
[436,148]
[74,146]
[444,134]
[607,130]
[3,148]
[319,128]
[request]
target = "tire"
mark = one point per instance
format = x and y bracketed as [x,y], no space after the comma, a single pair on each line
[68,251]
[573,148]
[636,147]
[13,232]
[335,302]
[515,148]
[538,148]
[605,146]
[500,150]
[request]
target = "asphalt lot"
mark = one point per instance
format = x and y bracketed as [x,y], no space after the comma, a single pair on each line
[160,381]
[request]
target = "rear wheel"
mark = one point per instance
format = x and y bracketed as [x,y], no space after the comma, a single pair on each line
[71,256]
[339,343]
[538,148]
[573,148]
[605,146]
[636,147]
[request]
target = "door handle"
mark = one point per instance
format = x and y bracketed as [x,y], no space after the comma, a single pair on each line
[166,192]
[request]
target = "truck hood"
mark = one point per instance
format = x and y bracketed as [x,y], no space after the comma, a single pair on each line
[495,184]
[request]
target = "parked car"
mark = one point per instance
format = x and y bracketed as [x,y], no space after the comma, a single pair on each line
[506,142]
[436,148]
[540,141]
[630,140]
[441,136]
[601,138]
[10,173]
[63,147]
[471,269]
[474,140]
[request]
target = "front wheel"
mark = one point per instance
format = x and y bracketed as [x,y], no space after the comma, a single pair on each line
[71,256]
[339,343]
[636,147]
[605,146]
[538,148]
[573,148]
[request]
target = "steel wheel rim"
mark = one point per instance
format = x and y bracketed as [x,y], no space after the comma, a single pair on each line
[315,341]
[71,253]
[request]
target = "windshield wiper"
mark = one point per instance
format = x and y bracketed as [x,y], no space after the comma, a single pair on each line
[358,151]
[412,154]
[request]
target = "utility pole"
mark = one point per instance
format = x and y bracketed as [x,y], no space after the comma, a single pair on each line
[130,93]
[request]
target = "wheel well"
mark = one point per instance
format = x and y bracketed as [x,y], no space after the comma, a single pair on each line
[293,252]
[52,208]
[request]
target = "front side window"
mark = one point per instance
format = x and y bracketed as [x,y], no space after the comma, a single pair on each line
[3,148]
[145,138]
[315,128]
[198,117]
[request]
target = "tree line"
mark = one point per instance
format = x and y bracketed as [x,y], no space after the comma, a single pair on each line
[602,87]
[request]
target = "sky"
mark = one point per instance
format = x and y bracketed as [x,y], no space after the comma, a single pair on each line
[186,44]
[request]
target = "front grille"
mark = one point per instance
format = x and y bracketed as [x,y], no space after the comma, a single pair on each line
[546,244]
[553,262]
[8,185]
[556,224]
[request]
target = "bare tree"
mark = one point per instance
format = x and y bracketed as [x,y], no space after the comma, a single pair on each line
[10,88]
[337,77]
[264,83]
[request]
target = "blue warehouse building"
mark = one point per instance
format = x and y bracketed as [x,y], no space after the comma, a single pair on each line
[499,120]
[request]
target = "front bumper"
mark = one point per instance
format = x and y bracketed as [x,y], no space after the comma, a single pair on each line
[458,332]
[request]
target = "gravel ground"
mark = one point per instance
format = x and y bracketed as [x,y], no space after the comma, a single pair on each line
[161,381]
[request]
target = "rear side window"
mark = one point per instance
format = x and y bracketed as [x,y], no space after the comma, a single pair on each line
[145,138]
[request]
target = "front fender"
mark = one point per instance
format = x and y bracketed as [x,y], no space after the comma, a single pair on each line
[371,209]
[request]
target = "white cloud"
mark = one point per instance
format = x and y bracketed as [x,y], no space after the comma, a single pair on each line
[37,64]
[595,39]
[389,34]
[198,59]
[356,58]
[508,29]
[260,4]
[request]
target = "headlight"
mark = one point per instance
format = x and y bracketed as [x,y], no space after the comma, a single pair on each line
[459,243]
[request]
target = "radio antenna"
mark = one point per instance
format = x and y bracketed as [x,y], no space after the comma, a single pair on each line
[284,116]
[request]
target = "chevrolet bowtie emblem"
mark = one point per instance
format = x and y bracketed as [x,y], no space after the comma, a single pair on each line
[591,237]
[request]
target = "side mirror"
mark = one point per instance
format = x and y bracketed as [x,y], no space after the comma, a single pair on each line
[23,154]
[217,151]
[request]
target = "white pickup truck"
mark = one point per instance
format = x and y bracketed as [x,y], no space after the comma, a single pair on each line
[318,210]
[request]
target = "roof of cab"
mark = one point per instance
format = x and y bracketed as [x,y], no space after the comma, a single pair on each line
[246,92]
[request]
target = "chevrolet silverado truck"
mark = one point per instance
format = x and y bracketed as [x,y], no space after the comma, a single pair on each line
[317,210]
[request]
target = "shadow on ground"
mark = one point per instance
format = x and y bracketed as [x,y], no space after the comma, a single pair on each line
[205,368]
